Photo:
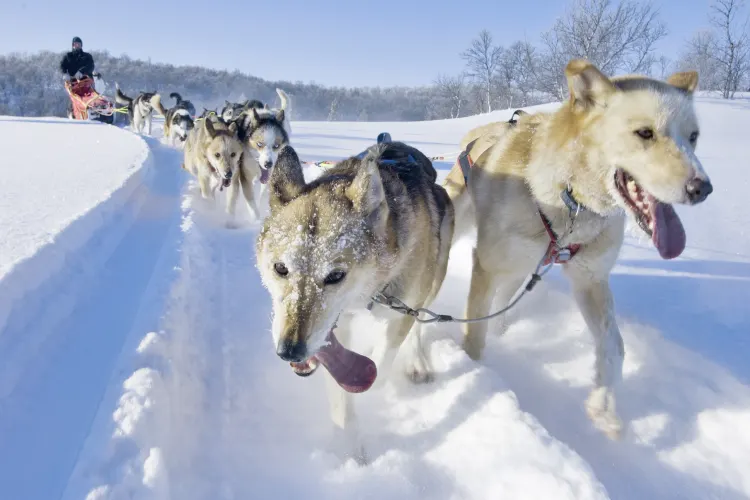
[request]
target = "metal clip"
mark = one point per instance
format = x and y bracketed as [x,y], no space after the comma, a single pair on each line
[563,255]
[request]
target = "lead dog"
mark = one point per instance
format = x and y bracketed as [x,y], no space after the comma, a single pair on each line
[372,223]
[563,182]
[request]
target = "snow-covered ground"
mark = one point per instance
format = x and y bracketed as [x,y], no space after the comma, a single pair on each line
[136,359]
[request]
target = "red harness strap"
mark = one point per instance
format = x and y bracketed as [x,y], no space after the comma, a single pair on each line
[555,254]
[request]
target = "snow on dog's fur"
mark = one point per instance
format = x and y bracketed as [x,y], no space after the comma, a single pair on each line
[366,225]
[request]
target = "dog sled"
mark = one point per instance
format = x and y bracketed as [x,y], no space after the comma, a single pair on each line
[87,103]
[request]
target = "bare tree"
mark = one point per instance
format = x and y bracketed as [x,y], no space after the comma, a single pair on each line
[699,55]
[616,36]
[452,89]
[332,110]
[525,61]
[731,49]
[483,59]
[663,65]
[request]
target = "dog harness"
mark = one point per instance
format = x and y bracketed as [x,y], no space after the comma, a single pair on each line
[555,254]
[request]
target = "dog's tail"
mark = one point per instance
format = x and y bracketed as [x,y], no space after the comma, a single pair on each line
[121,98]
[286,103]
[177,97]
[157,105]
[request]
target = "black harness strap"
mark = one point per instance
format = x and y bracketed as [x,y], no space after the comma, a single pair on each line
[464,159]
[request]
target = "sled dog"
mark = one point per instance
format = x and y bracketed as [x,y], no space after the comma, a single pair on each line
[560,185]
[263,136]
[140,109]
[285,107]
[178,121]
[373,223]
[233,110]
[214,154]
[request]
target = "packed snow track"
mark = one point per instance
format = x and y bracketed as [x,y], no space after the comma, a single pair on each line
[136,359]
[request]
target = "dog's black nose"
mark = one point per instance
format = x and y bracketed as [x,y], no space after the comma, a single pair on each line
[228,174]
[267,165]
[289,350]
[698,190]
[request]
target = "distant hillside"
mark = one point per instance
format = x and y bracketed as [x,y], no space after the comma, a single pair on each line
[31,85]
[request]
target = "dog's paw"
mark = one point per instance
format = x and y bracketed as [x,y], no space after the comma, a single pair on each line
[600,408]
[417,376]
[347,446]
[472,348]
[360,456]
[418,371]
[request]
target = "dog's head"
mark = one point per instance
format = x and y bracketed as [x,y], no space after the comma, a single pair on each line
[223,150]
[318,256]
[265,136]
[643,132]
[182,123]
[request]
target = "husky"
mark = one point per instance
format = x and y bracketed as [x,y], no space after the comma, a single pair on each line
[233,110]
[214,154]
[559,186]
[140,109]
[372,223]
[178,122]
[264,136]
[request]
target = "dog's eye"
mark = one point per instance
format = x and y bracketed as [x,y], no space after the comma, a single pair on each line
[233,155]
[280,269]
[260,144]
[693,137]
[645,133]
[334,277]
[218,155]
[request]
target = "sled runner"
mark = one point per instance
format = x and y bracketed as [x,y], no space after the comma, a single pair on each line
[87,103]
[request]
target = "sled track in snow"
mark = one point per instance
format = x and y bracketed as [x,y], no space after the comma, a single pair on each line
[62,337]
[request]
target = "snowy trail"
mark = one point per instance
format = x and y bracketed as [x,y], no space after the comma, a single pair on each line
[51,383]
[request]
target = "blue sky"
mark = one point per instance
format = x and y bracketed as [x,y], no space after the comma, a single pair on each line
[346,43]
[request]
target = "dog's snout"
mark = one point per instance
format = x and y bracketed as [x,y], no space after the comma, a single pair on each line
[698,189]
[290,350]
[228,174]
[267,165]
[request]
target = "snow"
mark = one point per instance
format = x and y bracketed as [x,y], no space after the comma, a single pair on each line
[137,359]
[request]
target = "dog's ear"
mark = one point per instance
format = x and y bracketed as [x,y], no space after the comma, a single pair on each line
[265,106]
[587,85]
[209,128]
[280,116]
[685,80]
[287,180]
[368,194]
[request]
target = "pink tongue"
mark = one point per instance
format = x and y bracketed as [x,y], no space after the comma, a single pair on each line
[352,371]
[264,175]
[669,235]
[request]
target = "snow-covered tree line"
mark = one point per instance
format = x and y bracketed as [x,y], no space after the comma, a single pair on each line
[619,36]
